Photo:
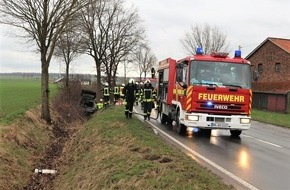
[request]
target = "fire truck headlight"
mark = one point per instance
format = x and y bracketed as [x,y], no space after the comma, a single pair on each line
[193,117]
[245,120]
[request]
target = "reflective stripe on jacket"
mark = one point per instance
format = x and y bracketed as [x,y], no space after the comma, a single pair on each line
[106,91]
[147,96]
[116,90]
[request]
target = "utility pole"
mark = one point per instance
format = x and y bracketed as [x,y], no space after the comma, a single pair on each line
[126,63]
[125,72]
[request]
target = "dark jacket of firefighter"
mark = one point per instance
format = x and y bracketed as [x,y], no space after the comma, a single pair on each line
[147,99]
[130,95]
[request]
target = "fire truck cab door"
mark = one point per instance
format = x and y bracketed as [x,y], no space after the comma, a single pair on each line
[181,74]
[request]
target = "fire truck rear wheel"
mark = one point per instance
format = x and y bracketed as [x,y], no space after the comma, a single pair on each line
[235,133]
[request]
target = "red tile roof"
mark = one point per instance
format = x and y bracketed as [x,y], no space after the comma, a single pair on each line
[282,43]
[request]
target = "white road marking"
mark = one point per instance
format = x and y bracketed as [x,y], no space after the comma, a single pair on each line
[223,170]
[266,142]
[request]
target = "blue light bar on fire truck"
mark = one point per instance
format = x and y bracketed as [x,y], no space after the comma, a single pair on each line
[219,54]
[199,51]
[238,54]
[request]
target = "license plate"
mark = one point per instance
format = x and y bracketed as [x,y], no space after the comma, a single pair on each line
[219,124]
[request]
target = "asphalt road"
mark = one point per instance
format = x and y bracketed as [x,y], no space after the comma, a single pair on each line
[258,159]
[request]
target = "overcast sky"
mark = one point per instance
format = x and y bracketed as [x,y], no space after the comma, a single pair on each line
[246,23]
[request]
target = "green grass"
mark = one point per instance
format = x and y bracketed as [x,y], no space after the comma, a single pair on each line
[19,95]
[112,152]
[279,119]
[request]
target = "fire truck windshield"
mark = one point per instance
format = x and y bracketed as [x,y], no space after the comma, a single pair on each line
[220,74]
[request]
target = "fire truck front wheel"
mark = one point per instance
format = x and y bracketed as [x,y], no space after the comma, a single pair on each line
[163,118]
[235,133]
[180,128]
[205,132]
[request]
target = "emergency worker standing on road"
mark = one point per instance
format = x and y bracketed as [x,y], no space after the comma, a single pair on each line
[130,95]
[106,94]
[137,93]
[116,93]
[141,94]
[154,97]
[147,99]
[122,95]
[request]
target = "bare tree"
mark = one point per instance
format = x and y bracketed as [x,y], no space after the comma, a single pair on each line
[126,32]
[209,38]
[95,31]
[112,33]
[43,22]
[69,47]
[145,59]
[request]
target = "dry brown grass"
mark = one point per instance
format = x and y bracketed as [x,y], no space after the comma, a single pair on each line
[22,144]
[111,152]
[108,152]
[29,142]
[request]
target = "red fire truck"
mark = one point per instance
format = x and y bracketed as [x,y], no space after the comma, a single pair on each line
[205,92]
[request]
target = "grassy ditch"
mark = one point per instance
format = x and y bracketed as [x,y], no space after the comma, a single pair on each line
[111,152]
[22,144]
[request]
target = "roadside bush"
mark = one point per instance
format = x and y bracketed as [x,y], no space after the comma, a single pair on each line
[67,103]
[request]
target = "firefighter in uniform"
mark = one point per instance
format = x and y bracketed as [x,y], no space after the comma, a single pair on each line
[154,96]
[122,95]
[137,93]
[130,94]
[116,93]
[141,94]
[106,94]
[147,99]
[100,104]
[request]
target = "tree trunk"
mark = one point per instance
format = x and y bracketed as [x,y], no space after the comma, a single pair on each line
[45,113]
[99,82]
[67,75]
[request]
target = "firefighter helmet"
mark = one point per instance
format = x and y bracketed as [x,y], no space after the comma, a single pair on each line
[123,84]
[106,84]
[141,83]
[147,81]
[136,83]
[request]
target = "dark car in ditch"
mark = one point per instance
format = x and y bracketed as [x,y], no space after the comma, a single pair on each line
[88,101]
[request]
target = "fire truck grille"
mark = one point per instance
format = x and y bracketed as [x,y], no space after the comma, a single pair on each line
[218,119]
[220,108]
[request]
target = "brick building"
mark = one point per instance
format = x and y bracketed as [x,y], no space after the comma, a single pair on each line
[272,61]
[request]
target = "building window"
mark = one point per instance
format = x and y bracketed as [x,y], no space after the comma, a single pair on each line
[260,68]
[277,67]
